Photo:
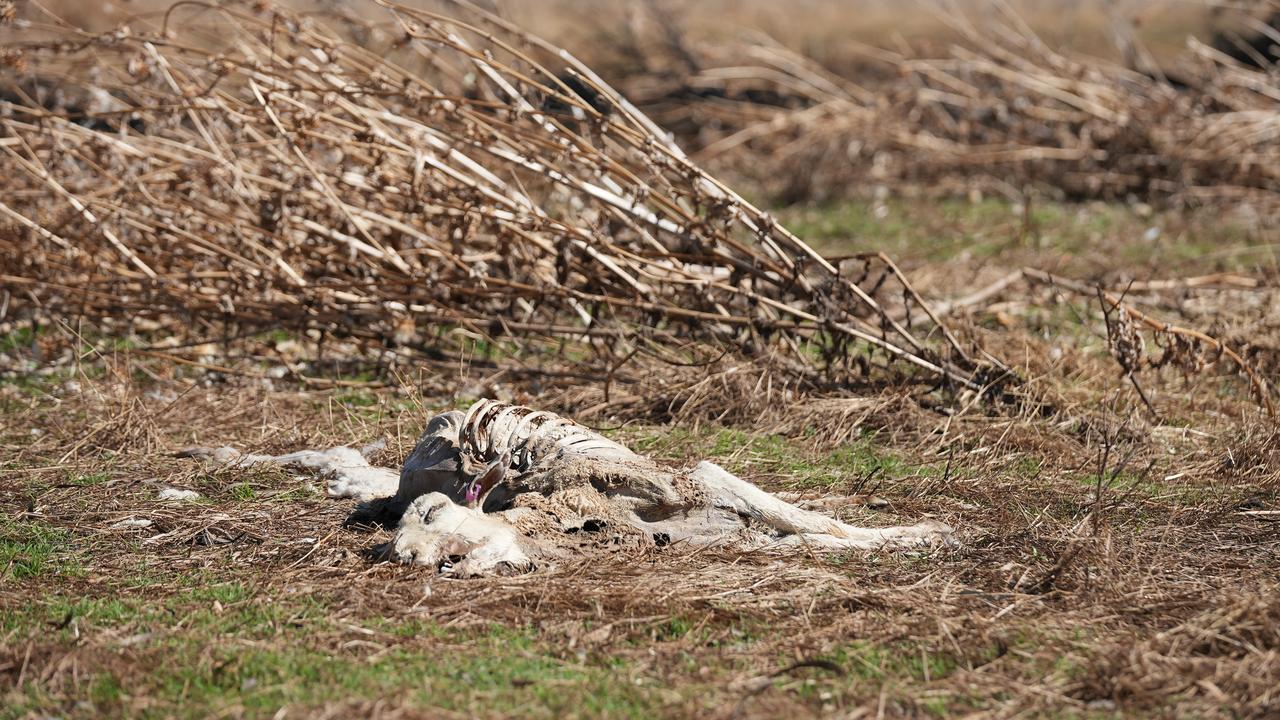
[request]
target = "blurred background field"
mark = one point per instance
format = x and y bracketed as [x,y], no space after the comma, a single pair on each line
[821,29]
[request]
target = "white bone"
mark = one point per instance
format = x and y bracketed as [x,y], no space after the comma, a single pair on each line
[805,526]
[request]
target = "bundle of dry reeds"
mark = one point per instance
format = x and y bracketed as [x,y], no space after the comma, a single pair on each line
[407,176]
[998,111]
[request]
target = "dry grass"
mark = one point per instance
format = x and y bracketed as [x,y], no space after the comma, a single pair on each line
[1109,570]
[818,28]
[427,182]
[1112,562]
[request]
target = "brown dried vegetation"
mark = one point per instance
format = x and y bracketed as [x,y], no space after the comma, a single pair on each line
[994,110]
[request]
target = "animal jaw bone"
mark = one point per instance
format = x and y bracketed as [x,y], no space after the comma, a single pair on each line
[500,487]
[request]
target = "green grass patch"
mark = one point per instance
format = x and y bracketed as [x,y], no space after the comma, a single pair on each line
[55,614]
[492,674]
[752,454]
[243,491]
[31,549]
[256,656]
[18,339]
[872,662]
[1083,233]
[225,593]
[1028,466]
[357,398]
[88,479]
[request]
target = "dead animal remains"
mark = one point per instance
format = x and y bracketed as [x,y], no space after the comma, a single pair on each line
[503,488]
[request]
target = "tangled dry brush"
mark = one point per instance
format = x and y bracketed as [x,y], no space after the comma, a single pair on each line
[993,108]
[430,182]
[403,178]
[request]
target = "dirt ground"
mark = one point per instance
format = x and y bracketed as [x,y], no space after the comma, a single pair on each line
[1111,562]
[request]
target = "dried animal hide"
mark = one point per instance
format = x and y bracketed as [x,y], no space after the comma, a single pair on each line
[502,488]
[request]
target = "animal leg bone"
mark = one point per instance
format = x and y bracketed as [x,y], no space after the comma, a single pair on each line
[805,527]
[346,470]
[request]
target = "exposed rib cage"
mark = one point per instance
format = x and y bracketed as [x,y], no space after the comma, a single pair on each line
[491,428]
